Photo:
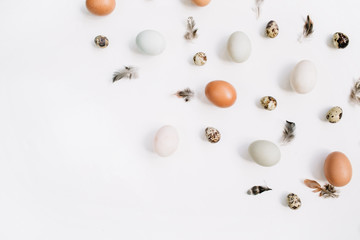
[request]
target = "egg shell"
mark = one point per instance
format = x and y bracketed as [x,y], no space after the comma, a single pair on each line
[303,77]
[201,3]
[340,40]
[166,141]
[150,42]
[264,153]
[239,47]
[337,169]
[334,115]
[220,93]
[294,201]
[100,7]
[272,29]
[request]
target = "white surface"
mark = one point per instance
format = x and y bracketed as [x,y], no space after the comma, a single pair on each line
[76,159]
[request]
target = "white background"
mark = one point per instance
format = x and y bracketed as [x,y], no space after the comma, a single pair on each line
[76,158]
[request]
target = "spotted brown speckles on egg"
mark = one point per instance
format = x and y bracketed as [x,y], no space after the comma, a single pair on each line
[272,29]
[268,102]
[293,201]
[340,40]
[200,58]
[212,134]
[334,115]
[101,41]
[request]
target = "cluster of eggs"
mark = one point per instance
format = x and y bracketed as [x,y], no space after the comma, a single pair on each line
[337,167]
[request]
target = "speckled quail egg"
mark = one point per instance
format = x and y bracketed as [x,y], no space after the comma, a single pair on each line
[272,29]
[101,41]
[340,40]
[293,201]
[200,58]
[334,114]
[268,102]
[212,134]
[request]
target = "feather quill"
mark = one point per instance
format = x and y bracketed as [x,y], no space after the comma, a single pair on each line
[257,8]
[288,132]
[191,30]
[355,92]
[128,72]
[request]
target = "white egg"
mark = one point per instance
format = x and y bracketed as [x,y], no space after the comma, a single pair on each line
[264,153]
[150,42]
[239,47]
[166,141]
[303,77]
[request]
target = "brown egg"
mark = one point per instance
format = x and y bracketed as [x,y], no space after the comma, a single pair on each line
[220,93]
[201,3]
[100,7]
[337,169]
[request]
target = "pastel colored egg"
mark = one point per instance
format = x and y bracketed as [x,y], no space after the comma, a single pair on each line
[166,141]
[150,42]
[264,153]
[239,47]
[303,77]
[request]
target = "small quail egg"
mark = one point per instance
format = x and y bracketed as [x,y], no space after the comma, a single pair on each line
[268,102]
[272,29]
[101,41]
[200,58]
[340,40]
[334,115]
[293,201]
[212,134]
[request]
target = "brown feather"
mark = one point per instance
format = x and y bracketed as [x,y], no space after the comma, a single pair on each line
[312,183]
[308,27]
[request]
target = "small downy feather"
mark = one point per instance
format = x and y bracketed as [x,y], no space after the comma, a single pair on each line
[327,191]
[257,8]
[187,94]
[191,30]
[255,190]
[128,72]
[355,92]
[308,28]
[288,132]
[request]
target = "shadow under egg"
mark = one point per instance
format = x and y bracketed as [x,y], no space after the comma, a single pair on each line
[244,153]
[284,77]
[149,141]
[317,165]
[283,199]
